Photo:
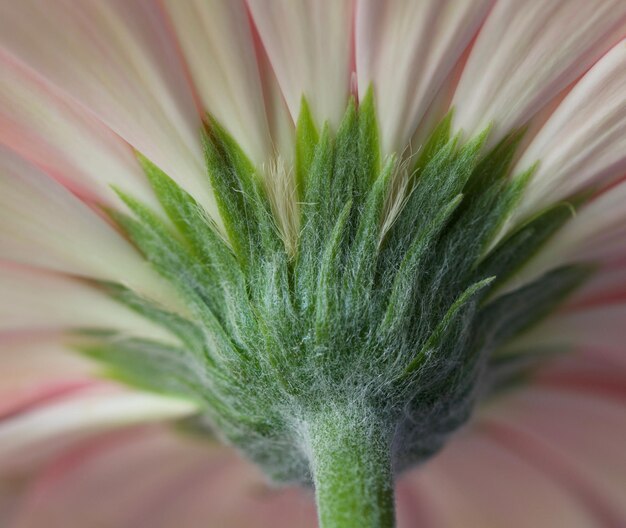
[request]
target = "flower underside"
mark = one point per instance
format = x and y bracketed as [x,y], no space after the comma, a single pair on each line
[384,316]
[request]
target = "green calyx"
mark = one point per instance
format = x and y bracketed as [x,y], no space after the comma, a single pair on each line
[385,313]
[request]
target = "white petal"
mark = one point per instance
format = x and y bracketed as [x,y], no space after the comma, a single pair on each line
[282,127]
[30,363]
[43,224]
[92,410]
[528,52]
[118,60]
[65,141]
[584,141]
[216,38]
[309,47]
[599,326]
[38,301]
[597,233]
[406,49]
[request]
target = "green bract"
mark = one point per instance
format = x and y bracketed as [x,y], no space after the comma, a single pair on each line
[385,319]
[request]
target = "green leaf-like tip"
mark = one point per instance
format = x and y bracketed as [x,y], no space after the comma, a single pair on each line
[369,146]
[306,141]
[385,311]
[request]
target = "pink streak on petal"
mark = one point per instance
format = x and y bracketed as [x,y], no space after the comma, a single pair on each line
[48,393]
[150,477]
[547,460]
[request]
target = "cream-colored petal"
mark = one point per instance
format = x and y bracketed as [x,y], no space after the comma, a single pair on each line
[96,409]
[309,46]
[43,224]
[528,52]
[596,234]
[28,363]
[583,144]
[48,129]
[39,301]
[406,49]
[216,38]
[600,326]
[119,61]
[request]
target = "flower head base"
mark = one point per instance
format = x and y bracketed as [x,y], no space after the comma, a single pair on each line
[389,323]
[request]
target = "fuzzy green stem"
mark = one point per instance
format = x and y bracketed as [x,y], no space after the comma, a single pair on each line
[351,466]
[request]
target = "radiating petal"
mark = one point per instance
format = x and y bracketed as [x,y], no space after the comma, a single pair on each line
[32,366]
[528,52]
[216,39]
[309,47]
[158,479]
[94,408]
[118,60]
[582,450]
[39,301]
[48,129]
[406,50]
[477,483]
[606,287]
[596,233]
[596,326]
[584,142]
[282,126]
[43,224]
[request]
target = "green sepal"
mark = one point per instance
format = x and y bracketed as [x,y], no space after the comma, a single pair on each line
[442,178]
[367,240]
[240,198]
[188,332]
[306,142]
[167,253]
[194,224]
[347,182]
[385,315]
[444,328]
[150,365]
[438,139]
[403,287]
[369,163]
[512,313]
[330,275]
[522,244]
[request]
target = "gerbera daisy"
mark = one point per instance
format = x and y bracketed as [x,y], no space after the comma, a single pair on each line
[369,245]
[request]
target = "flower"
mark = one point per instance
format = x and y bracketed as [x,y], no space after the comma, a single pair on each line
[327,232]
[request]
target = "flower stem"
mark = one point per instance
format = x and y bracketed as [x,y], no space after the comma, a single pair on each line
[351,465]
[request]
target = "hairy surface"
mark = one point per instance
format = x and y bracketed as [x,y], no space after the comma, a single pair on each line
[376,305]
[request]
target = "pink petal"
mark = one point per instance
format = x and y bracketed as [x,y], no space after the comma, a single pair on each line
[117,59]
[583,144]
[217,42]
[582,449]
[66,142]
[528,52]
[406,50]
[309,46]
[31,436]
[38,301]
[33,366]
[600,326]
[153,478]
[43,224]
[477,483]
